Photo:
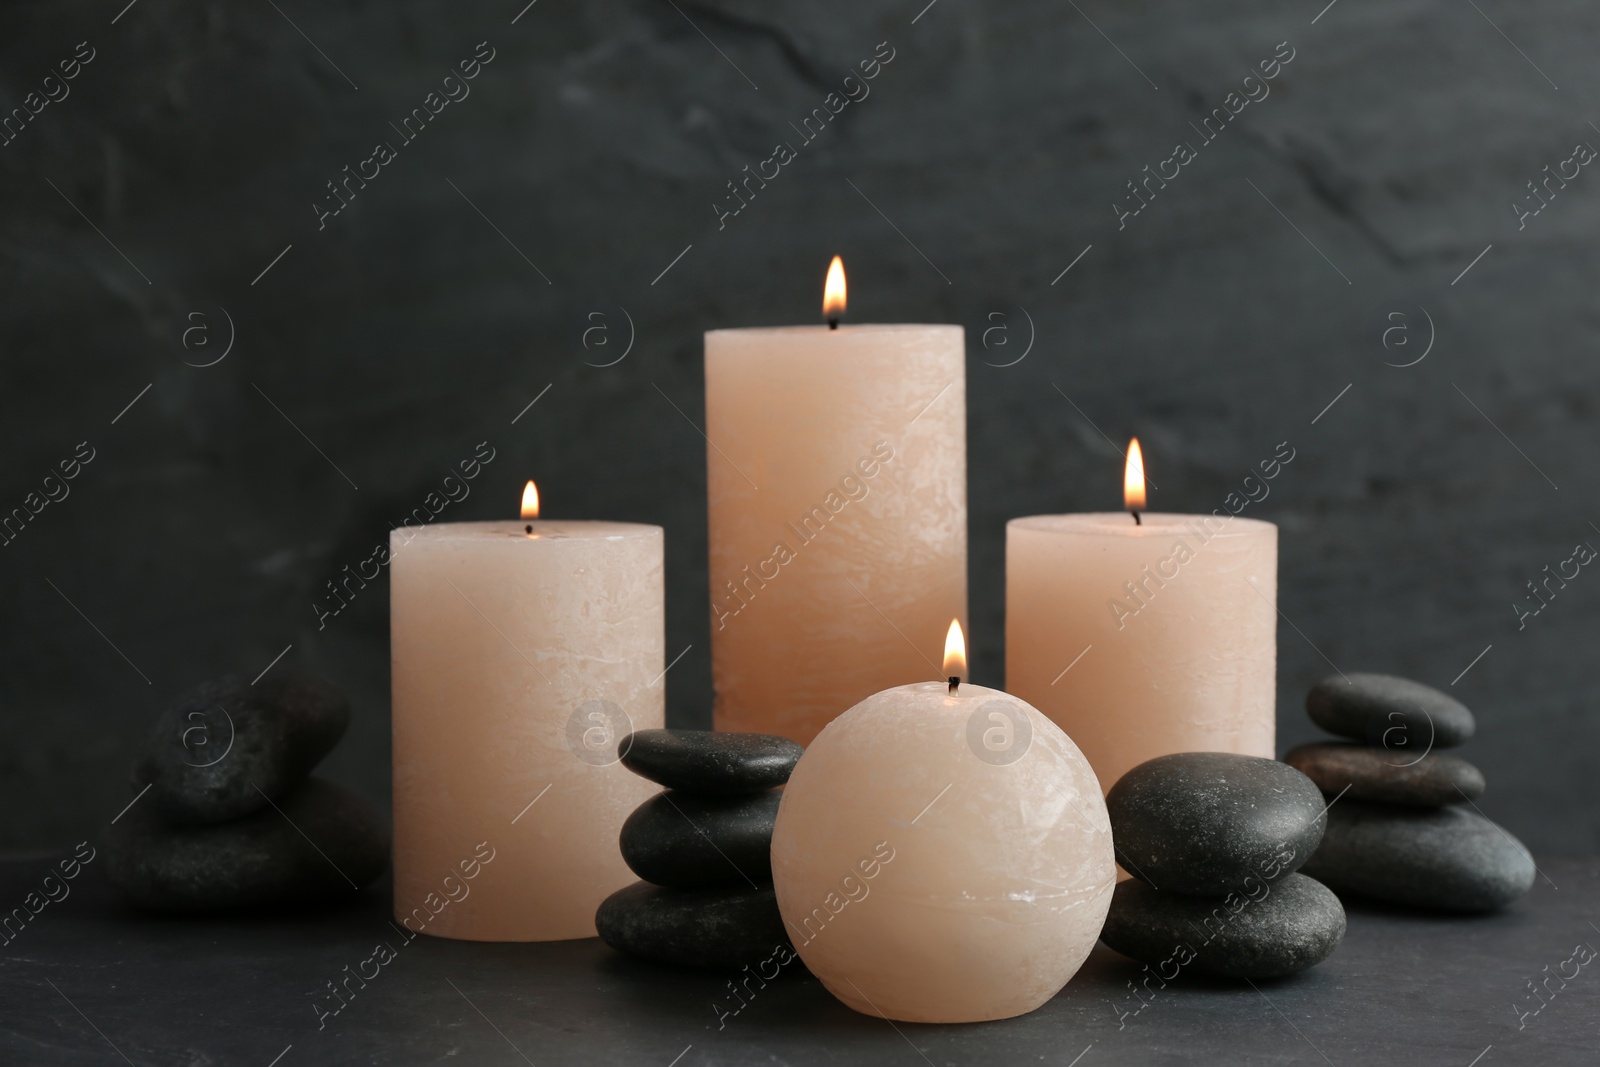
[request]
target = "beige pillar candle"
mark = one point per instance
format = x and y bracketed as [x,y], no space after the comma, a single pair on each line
[1141,640]
[836,474]
[942,854]
[520,659]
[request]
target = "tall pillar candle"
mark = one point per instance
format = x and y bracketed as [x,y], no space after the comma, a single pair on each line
[519,661]
[837,478]
[1143,640]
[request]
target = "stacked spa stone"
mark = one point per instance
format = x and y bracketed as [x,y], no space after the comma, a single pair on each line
[1213,841]
[226,815]
[1404,828]
[703,848]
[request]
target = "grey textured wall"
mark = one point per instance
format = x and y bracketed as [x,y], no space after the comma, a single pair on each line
[458,283]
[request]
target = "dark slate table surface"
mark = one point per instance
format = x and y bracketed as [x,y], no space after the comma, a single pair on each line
[86,982]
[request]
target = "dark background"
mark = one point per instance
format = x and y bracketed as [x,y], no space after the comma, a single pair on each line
[596,143]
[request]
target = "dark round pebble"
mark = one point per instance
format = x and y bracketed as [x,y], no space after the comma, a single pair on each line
[1447,859]
[722,928]
[1278,930]
[686,841]
[708,762]
[263,860]
[227,746]
[1389,712]
[1210,823]
[1429,781]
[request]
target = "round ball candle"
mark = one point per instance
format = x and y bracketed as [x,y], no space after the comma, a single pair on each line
[837,484]
[1141,634]
[522,653]
[942,854]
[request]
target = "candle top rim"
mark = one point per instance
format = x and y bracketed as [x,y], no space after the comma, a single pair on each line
[1154,523]
[796,331]
[941,690]
[544,530]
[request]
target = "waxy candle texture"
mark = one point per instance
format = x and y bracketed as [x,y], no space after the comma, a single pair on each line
[519,662]
[943,856]
[837,479]
[1140,641]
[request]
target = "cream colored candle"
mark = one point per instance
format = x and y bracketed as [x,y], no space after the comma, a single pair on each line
[942,854]
[1143,640]
[837,483]
[519,661]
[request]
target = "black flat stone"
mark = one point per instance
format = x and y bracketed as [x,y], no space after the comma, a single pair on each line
[1279,930]
[1448,859]
[725,928]
[227,746]
[685,841]
[261,860]
[1389,712]
[705,761]
[1377,774]
[1209,823]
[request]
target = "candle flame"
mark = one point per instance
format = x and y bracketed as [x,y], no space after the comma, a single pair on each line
[833,291]
[530,500]
[955,651]
[1133,478]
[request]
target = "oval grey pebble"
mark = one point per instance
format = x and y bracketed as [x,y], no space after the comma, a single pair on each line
[1281,929]
[263,860]
[1389,712]
[710,762]
[1449,859]
[1362,773]
[685,841]
[724,928]
[228,746]
[1209,823]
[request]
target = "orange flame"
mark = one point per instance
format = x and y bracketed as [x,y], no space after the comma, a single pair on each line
[530,500]
[833,291]
[1133,478]
[955,651]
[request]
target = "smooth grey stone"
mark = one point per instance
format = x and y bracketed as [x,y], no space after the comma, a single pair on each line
[228,746]
[1278,930]
[724,928]
[263,859]
[682,840]
[1450,859]
[1431,781]
[1209,823]
[705,761]
[1389,712]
